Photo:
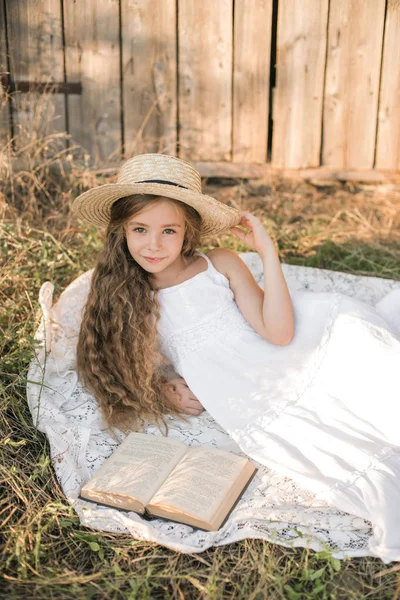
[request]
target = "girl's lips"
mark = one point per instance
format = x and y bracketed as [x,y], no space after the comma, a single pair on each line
[153,260]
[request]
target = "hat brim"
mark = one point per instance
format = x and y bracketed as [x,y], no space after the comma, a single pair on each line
[94,205]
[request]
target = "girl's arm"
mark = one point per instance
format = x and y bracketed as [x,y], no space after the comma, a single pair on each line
[269,312]
[278,313]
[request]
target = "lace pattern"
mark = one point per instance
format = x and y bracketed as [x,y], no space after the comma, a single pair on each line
[175,346]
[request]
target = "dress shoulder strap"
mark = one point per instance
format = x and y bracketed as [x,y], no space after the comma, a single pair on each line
[213,271]
[210,265]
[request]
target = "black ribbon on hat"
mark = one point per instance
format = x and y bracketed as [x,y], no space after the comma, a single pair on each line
[162,181]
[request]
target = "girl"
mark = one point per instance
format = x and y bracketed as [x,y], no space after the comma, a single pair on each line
[309,389]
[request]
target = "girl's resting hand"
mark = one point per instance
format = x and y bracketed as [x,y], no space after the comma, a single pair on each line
[179,393]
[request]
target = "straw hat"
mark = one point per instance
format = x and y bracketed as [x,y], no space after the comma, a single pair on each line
[159,175]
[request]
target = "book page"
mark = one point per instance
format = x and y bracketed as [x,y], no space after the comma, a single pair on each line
[138,466]
[200,482]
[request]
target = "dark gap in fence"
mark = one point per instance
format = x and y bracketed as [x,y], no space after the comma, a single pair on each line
[379,86]
[272,76]
[321,148]
[177,79]
[232,79]
[64,71]
[121,81]
[10,106]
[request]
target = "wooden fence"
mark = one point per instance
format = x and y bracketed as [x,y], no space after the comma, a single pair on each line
[284,83]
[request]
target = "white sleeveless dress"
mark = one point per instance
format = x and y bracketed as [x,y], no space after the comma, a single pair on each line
[324,410]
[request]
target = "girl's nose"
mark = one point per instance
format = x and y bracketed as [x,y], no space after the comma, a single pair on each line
[154,242]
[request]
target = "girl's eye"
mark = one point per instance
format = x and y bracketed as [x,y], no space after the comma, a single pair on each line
[141,229]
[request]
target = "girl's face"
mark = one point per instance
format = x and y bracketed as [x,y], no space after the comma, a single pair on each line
[155,236]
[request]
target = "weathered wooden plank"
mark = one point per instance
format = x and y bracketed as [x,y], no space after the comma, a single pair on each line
[36,55]
[252,49]
[238,171]
[235,171]
[388,142]
[298,95]
[149,73]
[5,132]
[57,87]
[352,82]
[205,79]
[258,171]
[93,58]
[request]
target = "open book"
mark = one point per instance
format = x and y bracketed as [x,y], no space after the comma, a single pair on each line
[163,477]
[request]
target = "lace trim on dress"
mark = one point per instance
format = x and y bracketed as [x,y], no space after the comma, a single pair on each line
[218,324]
[376,460]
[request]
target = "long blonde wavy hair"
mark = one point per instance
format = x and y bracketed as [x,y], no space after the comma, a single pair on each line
[117,356]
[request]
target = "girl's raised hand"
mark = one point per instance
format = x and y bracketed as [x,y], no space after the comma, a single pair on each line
[179,393]
[256,237]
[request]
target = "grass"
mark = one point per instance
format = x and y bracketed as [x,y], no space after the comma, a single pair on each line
[46,552]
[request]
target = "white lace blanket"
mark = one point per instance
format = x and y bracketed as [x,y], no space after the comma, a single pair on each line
[273,508]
